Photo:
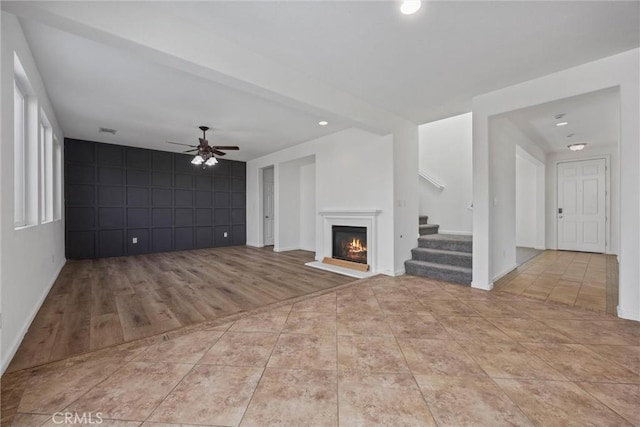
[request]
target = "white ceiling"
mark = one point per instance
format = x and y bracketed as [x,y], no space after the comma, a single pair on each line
[593,118]
[421,67]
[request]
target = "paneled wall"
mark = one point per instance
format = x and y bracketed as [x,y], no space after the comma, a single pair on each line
[115,194]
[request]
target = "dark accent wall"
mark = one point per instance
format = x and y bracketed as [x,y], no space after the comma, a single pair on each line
[115,193]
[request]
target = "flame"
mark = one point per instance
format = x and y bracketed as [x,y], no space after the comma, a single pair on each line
[356,246]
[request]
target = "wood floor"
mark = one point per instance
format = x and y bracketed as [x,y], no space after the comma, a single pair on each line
[100,303]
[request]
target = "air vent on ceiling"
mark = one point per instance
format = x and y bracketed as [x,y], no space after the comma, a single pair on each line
[107,130]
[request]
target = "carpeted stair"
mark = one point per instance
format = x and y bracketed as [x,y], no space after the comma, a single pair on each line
[443,257]
[426,228]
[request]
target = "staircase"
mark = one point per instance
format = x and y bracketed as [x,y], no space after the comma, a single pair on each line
[443,257]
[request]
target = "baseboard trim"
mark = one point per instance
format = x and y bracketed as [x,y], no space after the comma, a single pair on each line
[504,273]
[628,315]
[254,245]
[482,286]
[455,232]
[13,348]
[286,248]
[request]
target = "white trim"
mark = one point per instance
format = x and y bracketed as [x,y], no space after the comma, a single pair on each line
[349,212]
[13,348]
[477,285]
[285,249]
[430,179]
[628,315]
[254,245]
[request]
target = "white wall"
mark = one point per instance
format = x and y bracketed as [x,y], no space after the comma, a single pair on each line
[445,153]
[295,211]
[621,70]
[354,170]
[526,188]
[502,148]
[31,257]
[308,207]
[530,200]
[609,152]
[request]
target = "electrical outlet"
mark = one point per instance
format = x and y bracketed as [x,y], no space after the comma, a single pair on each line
[225,234]
[134,240]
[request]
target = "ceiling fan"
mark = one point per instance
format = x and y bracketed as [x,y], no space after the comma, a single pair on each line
[205,153]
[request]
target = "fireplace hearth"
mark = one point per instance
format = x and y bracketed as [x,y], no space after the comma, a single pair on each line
[349,243]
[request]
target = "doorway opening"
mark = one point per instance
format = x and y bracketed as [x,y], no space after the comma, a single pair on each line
[268,211]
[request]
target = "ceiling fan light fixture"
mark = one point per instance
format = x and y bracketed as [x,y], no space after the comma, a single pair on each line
[211,161]
[197,160]
[409,7]
[577,147]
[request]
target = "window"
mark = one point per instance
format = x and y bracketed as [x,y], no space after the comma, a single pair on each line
[45,149]
[19,169]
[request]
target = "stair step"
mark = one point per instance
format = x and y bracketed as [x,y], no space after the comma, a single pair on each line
[426,229]
[445,273]
[423,219]
[447,242]
[439,256]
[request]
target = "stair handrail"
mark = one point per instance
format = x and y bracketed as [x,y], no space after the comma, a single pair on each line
[431,179]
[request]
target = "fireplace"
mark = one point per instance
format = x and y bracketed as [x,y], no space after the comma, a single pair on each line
[349,243]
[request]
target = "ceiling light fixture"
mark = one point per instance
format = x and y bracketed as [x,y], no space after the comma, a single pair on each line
[409,7]
[559,116]
[323,123]
[577,147]
[197,160]
[562,124]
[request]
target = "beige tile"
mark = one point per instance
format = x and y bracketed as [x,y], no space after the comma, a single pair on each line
[363,324]
[493,308]
[322,304]
[510,360]
[417,325]
[51,389]
[241,349]
[210,395]
[621,398]
[465,401]
[578,363]
[133,391]
[392,306]
[438,357]
[590,332]
[310,323]
[558,403]
[90,420]
[373,399]
[304,352]
[441,308]
[370,354]
[294,398]
[627,356]
[185,349]
[270,321]
[357,302]
[29,420]
[428,290]
[529,330]
[472,329]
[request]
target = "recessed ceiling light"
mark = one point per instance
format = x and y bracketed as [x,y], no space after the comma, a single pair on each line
[323,123]
[409,7]
[562,124]
[559,116]
[570,135]
[577,147]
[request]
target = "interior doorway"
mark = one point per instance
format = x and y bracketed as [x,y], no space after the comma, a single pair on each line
[581,211]
[268,184]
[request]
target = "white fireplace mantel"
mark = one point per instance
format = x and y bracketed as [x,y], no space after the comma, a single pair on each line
[351,218]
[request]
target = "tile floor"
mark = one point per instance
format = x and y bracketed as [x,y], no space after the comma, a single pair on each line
[385,351]
[575,279]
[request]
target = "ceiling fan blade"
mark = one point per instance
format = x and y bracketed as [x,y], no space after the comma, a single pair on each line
[178,143]
[218,152]
[191,151]
[226,147]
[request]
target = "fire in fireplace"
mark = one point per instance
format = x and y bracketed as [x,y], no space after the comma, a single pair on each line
[350,243]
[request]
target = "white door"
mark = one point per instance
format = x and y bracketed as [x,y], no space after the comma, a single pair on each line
[267,189]
[581,206]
